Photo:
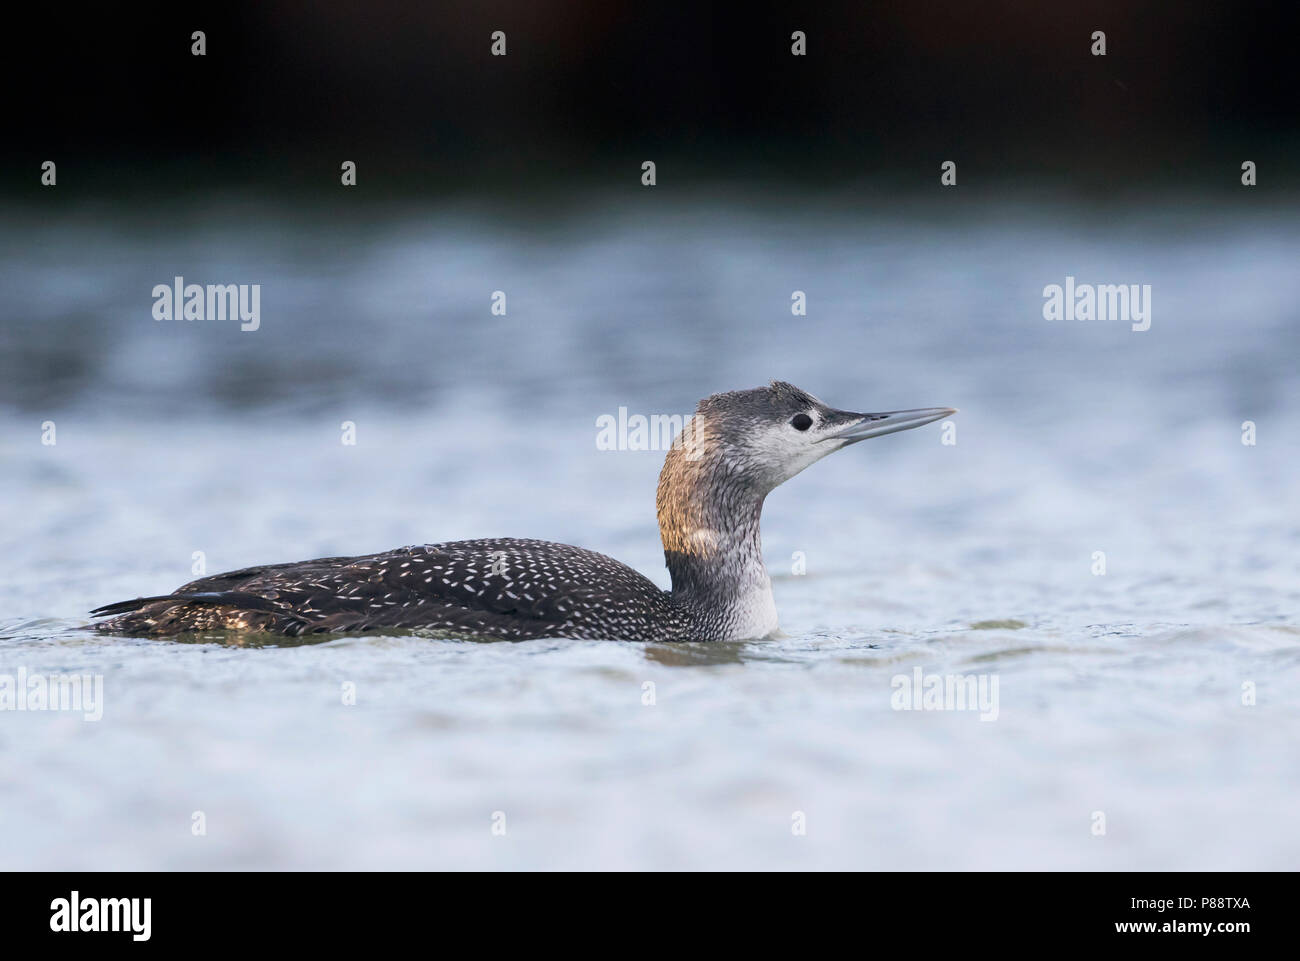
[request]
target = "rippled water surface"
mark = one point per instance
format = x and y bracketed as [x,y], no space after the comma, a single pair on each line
[1120,693]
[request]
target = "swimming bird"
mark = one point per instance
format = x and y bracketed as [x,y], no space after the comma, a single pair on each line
[737,448]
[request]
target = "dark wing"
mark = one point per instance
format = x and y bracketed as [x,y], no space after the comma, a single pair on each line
[499,588]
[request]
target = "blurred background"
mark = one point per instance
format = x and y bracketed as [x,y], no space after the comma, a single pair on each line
[588,90]
[192,442]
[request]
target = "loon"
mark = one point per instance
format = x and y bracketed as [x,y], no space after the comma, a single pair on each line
[737,448]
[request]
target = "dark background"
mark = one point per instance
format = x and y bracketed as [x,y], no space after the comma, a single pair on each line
[591,88]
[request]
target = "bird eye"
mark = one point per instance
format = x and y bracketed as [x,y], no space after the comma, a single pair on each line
[801,422]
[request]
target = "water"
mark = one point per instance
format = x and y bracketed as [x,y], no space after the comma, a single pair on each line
[1120,694]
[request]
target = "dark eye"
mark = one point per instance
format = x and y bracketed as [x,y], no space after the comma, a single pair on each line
[801,422]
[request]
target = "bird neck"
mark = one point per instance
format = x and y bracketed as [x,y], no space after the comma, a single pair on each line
[709,524]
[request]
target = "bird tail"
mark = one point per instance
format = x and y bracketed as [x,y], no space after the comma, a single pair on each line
[126,607]
[239,599]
